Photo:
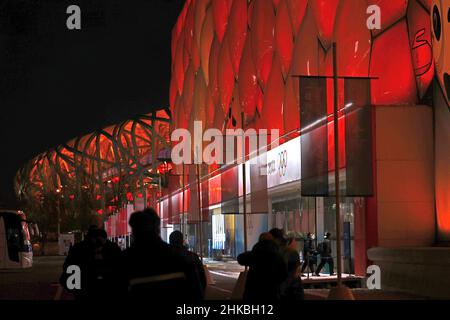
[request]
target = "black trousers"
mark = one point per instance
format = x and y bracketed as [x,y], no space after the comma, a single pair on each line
[311,262]
[323,262]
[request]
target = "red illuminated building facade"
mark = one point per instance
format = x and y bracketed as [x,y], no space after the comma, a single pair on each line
[244,56]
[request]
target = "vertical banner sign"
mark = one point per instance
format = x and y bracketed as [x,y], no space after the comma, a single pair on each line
[185,208]
[174,205]
[193,213]
[113,226]
[130,210]
[175,208]
[122,222]
[258,185]
[214,185]
[204,193]
[358,138]
[107,228]
[314,143]
[165,213]
[230,191]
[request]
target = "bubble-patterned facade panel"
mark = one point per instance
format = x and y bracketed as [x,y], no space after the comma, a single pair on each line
[242,41]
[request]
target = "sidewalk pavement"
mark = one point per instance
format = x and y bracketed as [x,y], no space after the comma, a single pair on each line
[231,269]
[364,295]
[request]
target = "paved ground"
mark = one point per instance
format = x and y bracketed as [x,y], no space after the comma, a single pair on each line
[41,283]
[364,295]
[224,276]
[38,283]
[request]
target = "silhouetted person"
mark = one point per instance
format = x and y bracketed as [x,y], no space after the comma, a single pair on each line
[153,269]
[283,244]
[98,260]
[278,236]
[267,270]
[176,240]
[43,243]
[292,288]
[325,252]
[266,236]
[309,254]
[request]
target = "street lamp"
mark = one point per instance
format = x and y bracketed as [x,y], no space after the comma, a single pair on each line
[341,292]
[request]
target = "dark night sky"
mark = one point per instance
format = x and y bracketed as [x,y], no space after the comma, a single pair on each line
[56,84]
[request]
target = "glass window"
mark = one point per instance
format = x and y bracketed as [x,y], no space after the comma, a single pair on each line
[14,237]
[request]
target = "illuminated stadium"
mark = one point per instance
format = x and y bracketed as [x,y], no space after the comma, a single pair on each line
[98,173]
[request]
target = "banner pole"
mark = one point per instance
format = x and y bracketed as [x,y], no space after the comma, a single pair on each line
[337,167]
[182,226]
[244,184]
[200,211]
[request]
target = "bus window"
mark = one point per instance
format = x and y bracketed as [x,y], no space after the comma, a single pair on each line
[14,238]
[34,230]
[26,234]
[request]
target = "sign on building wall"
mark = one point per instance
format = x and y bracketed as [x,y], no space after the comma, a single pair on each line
[130,210]
[313,99]
[284,163]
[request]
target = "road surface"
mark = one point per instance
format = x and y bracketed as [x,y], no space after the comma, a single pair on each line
[41,282]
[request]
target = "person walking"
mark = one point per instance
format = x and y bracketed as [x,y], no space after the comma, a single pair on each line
[267,270]
[325,252]
[176,240]
[99,262]
[309,254]
[153,270]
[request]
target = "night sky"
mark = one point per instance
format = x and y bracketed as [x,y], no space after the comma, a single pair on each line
[57,84]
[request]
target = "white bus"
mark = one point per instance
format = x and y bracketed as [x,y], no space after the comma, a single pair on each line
[15,241]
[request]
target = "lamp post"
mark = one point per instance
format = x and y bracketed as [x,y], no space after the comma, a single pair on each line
[244,185]
[341,292]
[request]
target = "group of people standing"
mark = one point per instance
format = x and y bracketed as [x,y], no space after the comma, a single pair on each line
[149,269]
[153,269]
[275,270]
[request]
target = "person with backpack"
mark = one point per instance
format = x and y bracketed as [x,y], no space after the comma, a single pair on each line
[99,262]
[267,270]
[309,254]
[176,240]
[153,269]
[291,289]
[324,249]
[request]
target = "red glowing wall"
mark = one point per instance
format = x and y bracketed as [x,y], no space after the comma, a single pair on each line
[238,55]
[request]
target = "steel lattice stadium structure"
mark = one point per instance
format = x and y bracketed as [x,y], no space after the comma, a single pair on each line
[98,173]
